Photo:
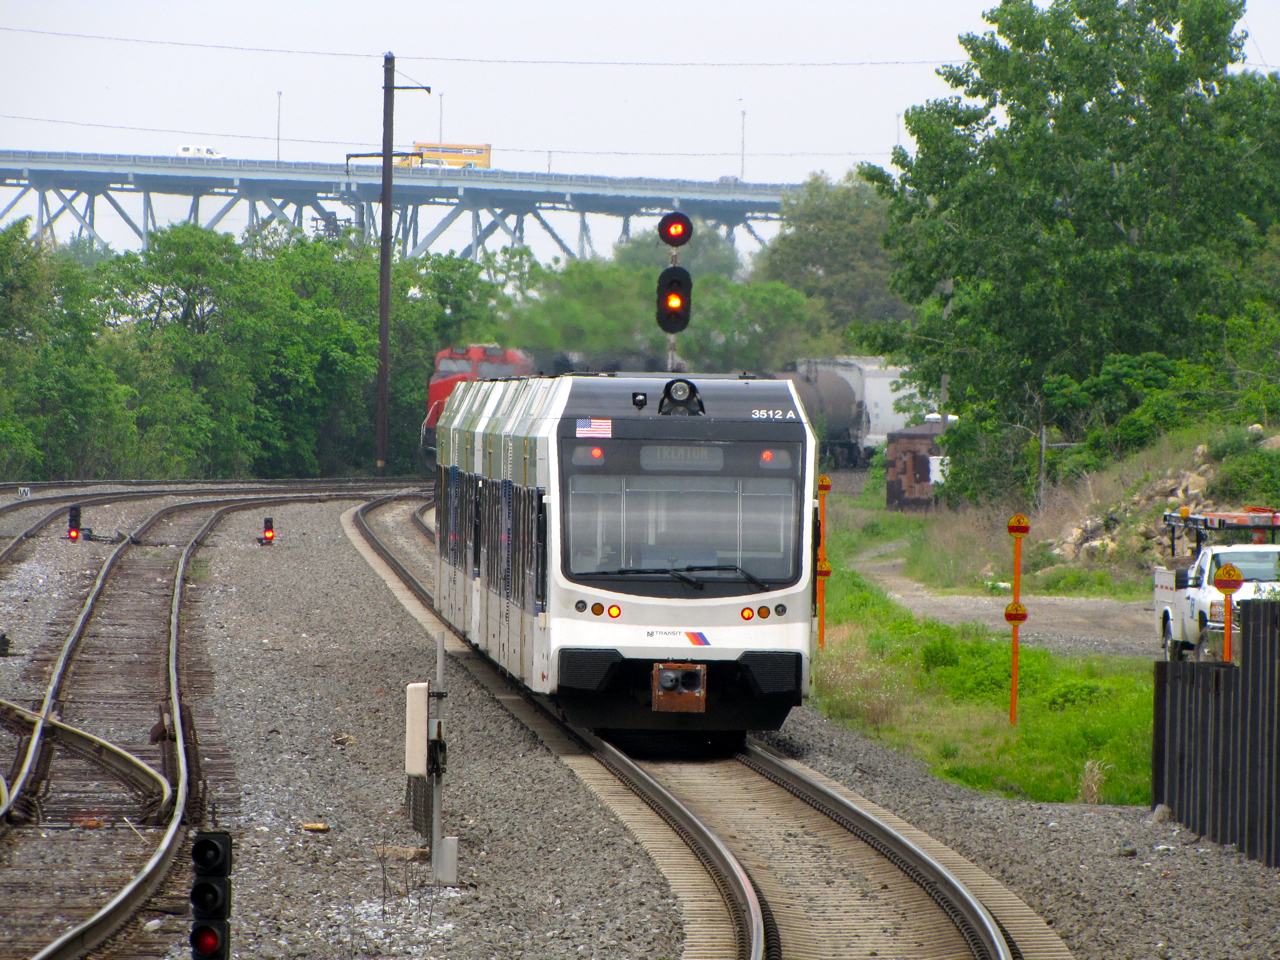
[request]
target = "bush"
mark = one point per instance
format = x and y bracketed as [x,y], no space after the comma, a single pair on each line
[1253,477]
[941,652]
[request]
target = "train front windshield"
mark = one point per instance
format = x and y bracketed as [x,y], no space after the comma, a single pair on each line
[687,514]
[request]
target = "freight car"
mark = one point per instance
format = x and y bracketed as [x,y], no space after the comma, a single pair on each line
[637,550]
[851,402]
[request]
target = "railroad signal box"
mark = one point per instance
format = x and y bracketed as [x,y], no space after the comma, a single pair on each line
[268,531]
[211,860]
[675,285]
[73,522]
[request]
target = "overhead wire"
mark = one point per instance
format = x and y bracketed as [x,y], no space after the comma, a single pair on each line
[350,143]
[490,61]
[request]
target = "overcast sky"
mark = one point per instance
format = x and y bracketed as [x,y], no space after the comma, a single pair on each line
[621,120]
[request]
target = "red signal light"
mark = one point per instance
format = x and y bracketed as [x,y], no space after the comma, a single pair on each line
[596,453]
[767,456]
[675,229]
[73,534]
[268,534]
[205,940]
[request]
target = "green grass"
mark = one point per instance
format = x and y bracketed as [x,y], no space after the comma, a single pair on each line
[941,693]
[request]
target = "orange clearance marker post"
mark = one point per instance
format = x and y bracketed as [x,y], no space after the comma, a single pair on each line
[824,568]
[1016,613]
[1227,580]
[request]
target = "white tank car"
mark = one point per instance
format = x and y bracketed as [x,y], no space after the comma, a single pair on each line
[639,550]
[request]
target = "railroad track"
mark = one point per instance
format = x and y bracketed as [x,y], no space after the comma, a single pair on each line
[803,871]
[105,777]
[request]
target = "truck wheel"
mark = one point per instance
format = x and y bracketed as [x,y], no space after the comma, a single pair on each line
[1172,648]
[1205,652]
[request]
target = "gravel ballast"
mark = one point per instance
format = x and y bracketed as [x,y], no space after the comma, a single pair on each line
[1113,884]
[311,652]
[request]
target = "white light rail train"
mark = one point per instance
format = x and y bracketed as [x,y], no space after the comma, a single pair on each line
[637,550]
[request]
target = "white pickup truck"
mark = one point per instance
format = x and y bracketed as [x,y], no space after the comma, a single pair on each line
[1189,609]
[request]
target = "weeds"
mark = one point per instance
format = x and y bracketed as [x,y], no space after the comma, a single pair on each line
[1092,781]
[941,693]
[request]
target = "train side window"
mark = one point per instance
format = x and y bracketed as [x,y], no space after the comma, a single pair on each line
[540,581]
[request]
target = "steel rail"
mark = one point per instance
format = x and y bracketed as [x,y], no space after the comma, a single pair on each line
[978,927]
[736,885]
[372,482]
[48,518]
[986,938]
[85,936]
[747,910]
[116,760]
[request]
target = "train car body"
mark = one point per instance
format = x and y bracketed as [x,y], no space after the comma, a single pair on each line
[640,553]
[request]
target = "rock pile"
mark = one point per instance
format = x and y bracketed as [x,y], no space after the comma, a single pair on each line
[1133,527]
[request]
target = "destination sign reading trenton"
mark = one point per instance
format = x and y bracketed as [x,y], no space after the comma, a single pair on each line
[682,457]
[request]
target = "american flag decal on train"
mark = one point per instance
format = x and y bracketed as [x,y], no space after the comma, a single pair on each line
[697,639]
[595,428]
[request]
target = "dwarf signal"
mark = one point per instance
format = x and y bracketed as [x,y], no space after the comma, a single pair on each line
[73,522]
[211,895]
[268,531]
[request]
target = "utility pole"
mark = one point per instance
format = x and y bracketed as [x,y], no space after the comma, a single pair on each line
[384,261]
[384,255]
[279,107]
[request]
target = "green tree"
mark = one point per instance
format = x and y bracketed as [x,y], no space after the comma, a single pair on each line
[707,253]
[830,249]
[602,308]
[1093,194]
[63,414]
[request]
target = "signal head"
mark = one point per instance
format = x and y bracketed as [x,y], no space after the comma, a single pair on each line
[675,299]
[675,229]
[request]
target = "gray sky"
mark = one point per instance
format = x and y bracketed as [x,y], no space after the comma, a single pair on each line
[799,119]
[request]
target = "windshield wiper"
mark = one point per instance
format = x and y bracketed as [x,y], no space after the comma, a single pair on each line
[754,580]
[650,571]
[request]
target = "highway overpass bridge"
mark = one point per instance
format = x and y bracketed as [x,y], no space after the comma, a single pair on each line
[75,188]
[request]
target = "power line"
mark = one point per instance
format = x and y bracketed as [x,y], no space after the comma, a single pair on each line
[348,143]
[479,60]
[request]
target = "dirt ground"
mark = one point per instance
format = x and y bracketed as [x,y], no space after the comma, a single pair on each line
[1062,624]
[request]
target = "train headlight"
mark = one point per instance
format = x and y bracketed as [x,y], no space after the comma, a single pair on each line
[581,606]
[680,390]
[690,680]
[669,679]
[747,613]
[780,609]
